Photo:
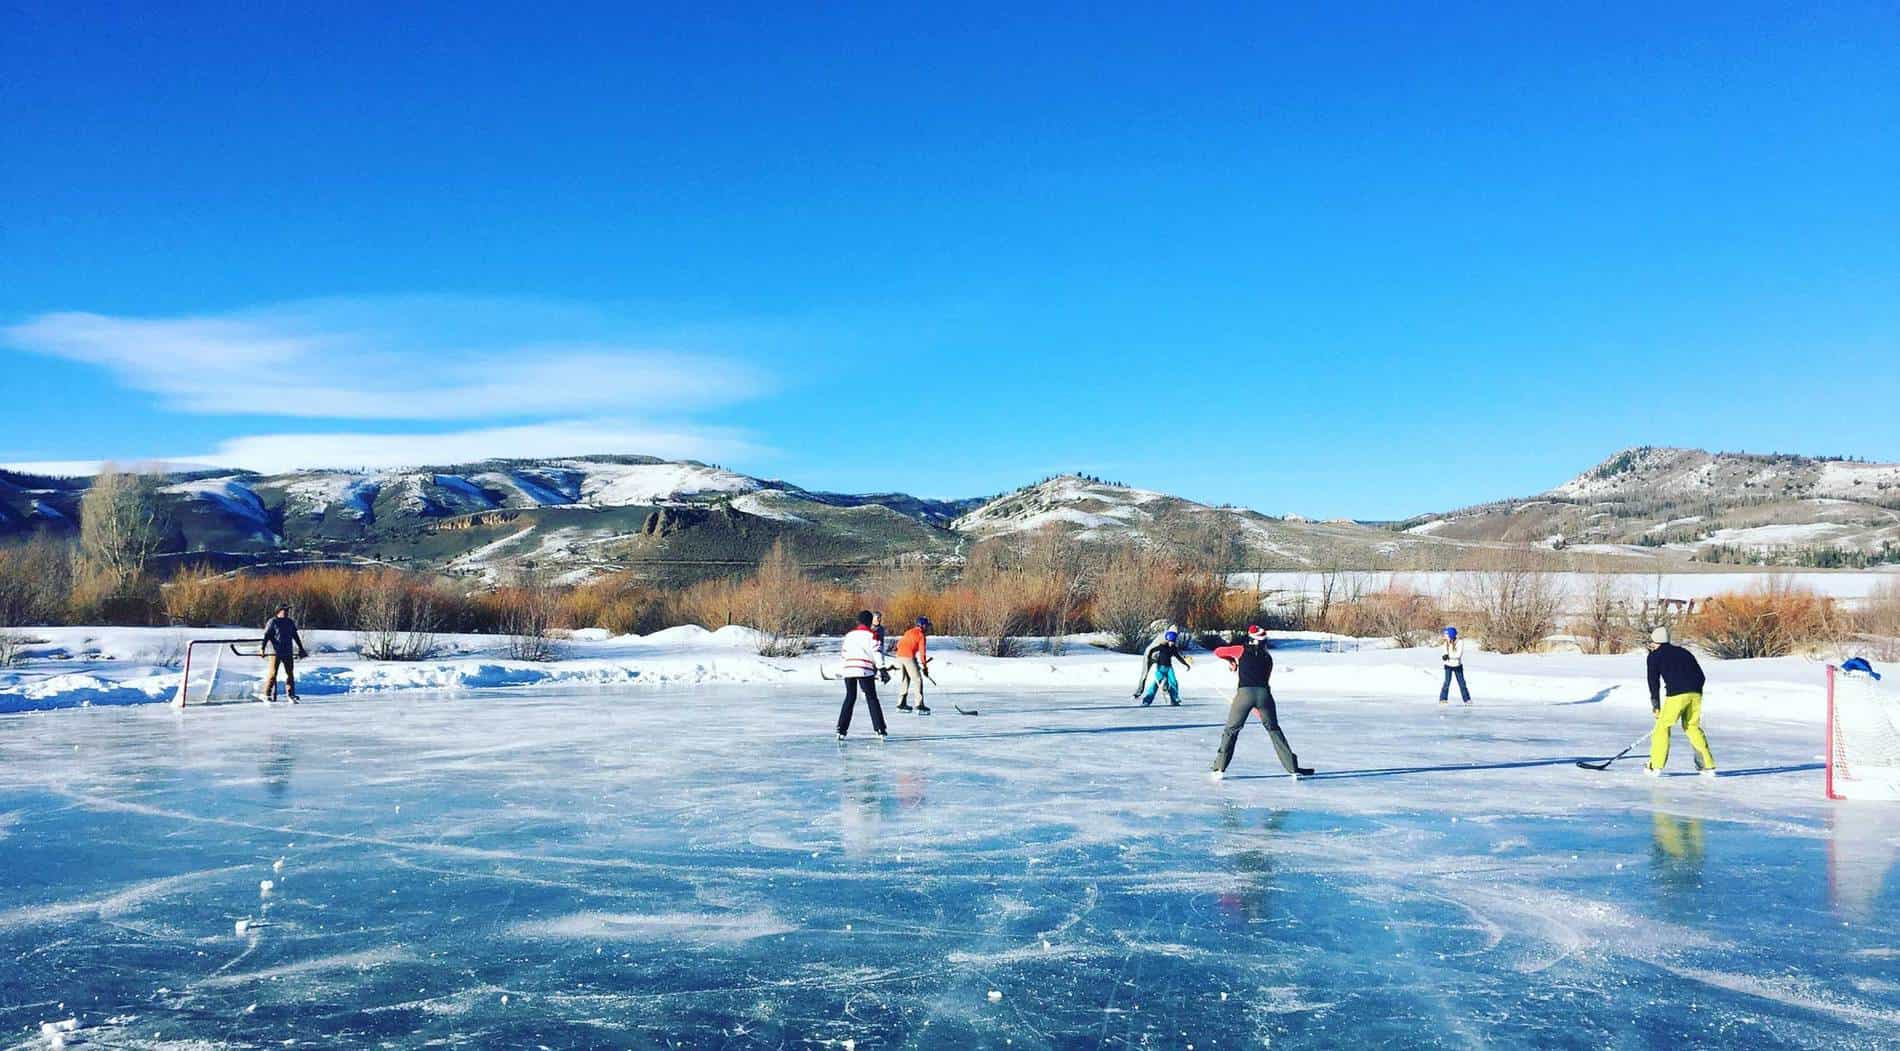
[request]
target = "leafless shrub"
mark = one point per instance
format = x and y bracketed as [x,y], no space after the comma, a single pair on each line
[11,644]
[1401,614]
[395,617]
[1879,622]
[1610,616]
[529,608]
[1054,560]
[786,604]
[1515,601]
[1134,592]
[167,652]
[35,579]
[996,603]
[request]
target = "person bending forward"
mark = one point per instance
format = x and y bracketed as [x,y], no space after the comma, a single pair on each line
[1675,695]
[912,662]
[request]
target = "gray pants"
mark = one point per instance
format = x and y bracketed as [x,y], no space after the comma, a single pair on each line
[913,673]
[1247,700]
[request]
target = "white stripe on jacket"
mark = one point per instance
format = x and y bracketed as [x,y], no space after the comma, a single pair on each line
[860,653]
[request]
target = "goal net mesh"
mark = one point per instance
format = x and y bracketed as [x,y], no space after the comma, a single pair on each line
[1863,751]
[213,673]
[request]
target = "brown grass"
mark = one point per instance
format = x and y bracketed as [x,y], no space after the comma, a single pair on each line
[1771,619]
[1404,615]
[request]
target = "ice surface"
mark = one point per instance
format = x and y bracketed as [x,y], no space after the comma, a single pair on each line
[707,868]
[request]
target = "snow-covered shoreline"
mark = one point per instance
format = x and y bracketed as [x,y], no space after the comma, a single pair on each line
[81,667]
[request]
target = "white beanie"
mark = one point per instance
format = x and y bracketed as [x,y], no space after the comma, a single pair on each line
[1660,636]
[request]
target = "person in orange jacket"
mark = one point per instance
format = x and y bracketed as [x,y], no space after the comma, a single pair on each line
[913,662]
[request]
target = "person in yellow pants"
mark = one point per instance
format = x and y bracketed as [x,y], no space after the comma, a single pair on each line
[1680,703]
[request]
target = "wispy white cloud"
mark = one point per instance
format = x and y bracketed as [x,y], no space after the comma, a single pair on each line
[523,378]
[274,453]
[412,358]
[283,452]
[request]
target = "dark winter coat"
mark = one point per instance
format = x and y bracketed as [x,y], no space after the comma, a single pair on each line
[1675,667]
[1255,664]
[280,637]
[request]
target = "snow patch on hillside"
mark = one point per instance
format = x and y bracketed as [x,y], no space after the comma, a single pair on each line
[623,485]
[1799,535]
[758,504]
[231,495]
[315,494]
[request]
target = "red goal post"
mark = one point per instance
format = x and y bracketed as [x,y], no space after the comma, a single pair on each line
[1863,736]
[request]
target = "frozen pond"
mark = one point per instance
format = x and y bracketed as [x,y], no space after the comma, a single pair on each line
[709,868]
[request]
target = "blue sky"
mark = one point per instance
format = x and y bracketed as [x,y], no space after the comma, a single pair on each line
[1370,261]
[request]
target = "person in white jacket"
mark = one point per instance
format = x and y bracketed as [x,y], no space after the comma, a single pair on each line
[862,657]
[1454,659]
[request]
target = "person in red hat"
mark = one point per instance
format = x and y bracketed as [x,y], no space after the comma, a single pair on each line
[1255,667]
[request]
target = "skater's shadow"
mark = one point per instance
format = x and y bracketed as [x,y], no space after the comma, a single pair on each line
[1396,771]
[1760,771]
[1129,707]
[1059,730]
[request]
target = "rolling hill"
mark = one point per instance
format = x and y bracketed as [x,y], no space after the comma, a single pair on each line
[681,521]
[1688,504]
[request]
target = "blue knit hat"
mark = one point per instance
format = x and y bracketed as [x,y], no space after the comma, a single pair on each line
[1451,633]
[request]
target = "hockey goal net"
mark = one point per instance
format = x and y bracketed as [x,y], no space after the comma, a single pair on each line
[220,670]
[1863,737]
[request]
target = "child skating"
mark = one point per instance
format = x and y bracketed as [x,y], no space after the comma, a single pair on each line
[1454,660]
[1163,657]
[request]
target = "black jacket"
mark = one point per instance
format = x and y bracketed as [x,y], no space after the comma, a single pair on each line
[1675,667]
[280,637]
[1165,654]
[1255,664]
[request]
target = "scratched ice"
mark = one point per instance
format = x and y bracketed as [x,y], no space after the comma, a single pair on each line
[710,868]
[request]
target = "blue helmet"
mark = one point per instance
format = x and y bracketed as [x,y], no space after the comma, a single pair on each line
[923,622]
[1171,636]
[1451,633]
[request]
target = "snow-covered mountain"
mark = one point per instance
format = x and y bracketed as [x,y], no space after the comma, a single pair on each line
[1709,506]
[683,520]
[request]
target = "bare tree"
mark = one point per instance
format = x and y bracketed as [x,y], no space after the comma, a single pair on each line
[119,527]
[995,605]
[1054,559]
[1134,592]
[395,619]
[1516,601]
[785,603]
[1608,618]
[530,607]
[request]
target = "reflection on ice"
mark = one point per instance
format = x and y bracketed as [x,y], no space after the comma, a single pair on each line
[614,870]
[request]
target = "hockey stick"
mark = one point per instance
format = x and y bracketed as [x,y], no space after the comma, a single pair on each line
[247,653]
[960,710]
[1605,765]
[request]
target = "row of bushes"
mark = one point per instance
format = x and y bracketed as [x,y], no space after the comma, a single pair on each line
[1003,597]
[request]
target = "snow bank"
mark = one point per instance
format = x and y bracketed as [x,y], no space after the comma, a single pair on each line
[78,667]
